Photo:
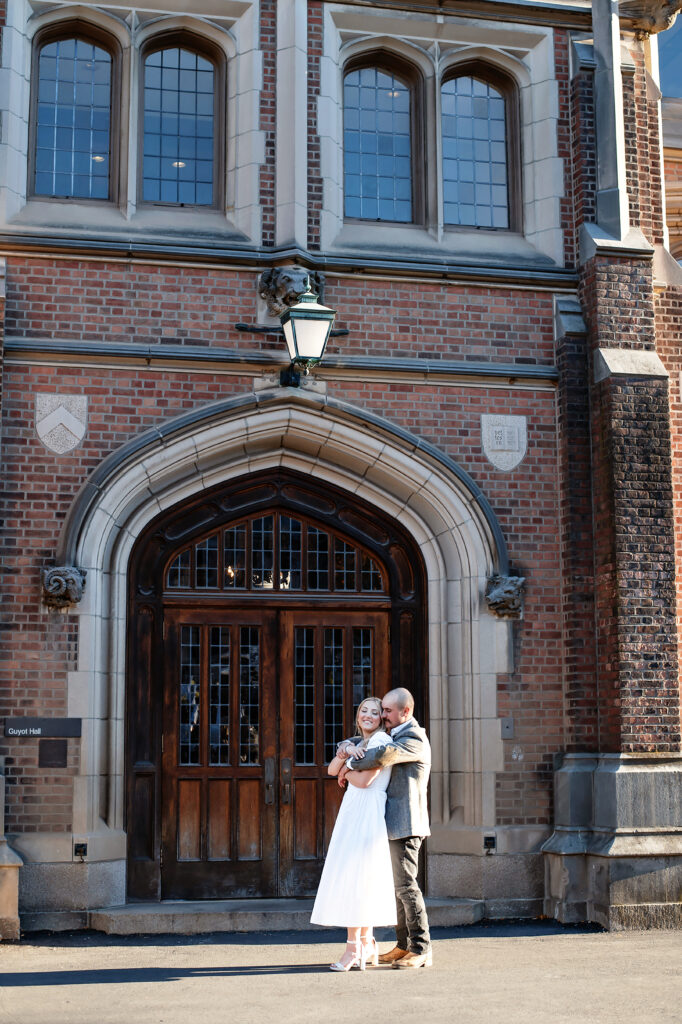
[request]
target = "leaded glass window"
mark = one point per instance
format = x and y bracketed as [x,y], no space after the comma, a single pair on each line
[73,120]
[304,691]
[179,128]
[189,695]
[276,552]
[475,170]
[377,146]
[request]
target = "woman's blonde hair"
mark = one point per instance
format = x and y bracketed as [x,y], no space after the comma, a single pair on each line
[358,731]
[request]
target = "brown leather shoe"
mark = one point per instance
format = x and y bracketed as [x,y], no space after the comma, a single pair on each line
[394,954]
[411,960]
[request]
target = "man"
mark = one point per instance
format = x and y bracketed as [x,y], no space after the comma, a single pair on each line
[407,820]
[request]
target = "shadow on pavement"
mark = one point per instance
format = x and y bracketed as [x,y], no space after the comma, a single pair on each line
[484,930]
[146,975]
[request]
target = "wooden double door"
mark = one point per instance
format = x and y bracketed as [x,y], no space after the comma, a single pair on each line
[255,699]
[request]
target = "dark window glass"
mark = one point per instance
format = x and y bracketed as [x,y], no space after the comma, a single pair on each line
[262,553]
[290,536]
[179,573]
[190,707]
[333,691]
[474,130]
[219,689]
[344,566]
[670,51]
[304,681]
[73,120]
[249,695]
[371,576]
[178,162]
[377,146]
[235,557]
[318,559]
[363,665]
[206,555]
[274,552]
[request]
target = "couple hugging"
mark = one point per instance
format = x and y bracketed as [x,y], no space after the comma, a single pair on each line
[370,874]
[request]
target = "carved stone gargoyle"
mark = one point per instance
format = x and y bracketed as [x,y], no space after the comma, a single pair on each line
[650,16]
[504,595]
[63,585]
[282,287]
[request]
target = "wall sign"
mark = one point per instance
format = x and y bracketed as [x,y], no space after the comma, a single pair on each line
[36,728]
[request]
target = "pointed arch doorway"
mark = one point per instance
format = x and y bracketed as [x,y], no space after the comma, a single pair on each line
[260,614]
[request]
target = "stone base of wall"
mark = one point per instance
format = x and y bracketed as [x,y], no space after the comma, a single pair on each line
[615,857]
[69,889]
[511,885]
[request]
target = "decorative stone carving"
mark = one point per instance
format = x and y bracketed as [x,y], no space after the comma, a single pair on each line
[63,585]
[650,16]
[61,421]
[504,595]
[504,440]
[282,287]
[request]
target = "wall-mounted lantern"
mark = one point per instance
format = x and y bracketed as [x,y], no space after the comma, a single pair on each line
[307,327]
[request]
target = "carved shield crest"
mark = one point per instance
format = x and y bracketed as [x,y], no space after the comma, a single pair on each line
[504,440]
[61,421]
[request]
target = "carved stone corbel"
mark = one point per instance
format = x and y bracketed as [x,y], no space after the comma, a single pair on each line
[282,287]
[63,585]
[504,595]
[647,17]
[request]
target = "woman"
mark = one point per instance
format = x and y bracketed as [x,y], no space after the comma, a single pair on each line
[356,888]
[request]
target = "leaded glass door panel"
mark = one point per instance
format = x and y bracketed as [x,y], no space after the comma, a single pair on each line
[219,804]
[329,662]
[256,702]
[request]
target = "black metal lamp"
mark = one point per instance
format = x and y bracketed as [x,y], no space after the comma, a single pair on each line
[307,327]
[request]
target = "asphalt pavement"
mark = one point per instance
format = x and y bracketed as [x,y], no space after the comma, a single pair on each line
[515,973]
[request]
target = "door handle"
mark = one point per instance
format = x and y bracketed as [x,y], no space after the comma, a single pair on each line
[269,780]
[286,780]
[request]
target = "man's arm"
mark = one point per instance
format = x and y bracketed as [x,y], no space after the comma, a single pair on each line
[397,751]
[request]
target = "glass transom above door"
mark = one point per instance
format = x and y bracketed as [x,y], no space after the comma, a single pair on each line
[275,552]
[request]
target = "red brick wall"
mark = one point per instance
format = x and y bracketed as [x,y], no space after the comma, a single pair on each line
[633,521]
[669,332]
[642,148]
[564,127]
[451,322]
[268,116]
[315,184]
[526,503]
[583,149]
[118,302]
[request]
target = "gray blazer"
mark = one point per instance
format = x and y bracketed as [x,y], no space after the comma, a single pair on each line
[409,755]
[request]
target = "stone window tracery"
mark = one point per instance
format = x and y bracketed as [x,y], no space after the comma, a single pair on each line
[385,157]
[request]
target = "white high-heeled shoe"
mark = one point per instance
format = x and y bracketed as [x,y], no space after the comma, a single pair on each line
[371,951]
[358,958]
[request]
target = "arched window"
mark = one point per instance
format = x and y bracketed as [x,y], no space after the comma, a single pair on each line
[379,114]
[71,123]
[479,129]
[181,130]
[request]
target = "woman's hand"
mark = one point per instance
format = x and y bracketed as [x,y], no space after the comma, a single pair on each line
[355,751]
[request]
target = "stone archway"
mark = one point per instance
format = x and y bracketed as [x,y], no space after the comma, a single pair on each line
[430,496]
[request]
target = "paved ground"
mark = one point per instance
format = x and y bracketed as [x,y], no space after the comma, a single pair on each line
[521,973]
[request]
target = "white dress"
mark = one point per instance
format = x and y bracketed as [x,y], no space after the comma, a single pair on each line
[356,887]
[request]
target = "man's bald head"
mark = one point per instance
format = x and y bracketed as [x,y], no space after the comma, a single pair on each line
[402,698]
[397,707]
